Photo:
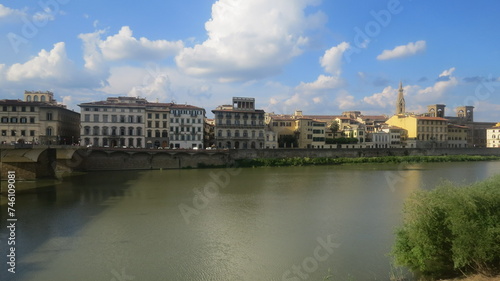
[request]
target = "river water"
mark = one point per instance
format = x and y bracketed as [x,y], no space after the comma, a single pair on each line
[284,223]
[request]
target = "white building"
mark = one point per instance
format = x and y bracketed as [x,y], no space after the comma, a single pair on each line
[186,126]
[493,136]
[115,122]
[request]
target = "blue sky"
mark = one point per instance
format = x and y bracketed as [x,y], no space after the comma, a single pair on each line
[322,57]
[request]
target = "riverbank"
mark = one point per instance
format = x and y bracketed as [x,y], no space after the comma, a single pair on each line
[307,161]
[475,278]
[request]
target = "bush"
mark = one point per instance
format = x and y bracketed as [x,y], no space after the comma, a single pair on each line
[450,231]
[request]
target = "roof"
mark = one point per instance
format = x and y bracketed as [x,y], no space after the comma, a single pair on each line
[239,111]
[431,118]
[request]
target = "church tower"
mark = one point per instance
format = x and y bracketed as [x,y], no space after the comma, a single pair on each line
[400,103]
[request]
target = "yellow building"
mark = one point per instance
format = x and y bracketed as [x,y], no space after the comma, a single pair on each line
[457,136]
[422,131]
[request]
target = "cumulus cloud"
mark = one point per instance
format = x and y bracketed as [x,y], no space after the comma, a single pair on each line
[416,96]
[6,12]
[51,69]
[124,46]
[332,59]
[250,39]
[403,51]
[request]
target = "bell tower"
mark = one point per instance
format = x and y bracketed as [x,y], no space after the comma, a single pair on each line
[400,103]
[436,110]
[466,113]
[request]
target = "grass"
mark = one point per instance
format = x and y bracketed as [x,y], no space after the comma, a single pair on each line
[308,161]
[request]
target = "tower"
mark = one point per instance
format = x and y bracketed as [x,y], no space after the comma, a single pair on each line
[436,110]
[466,113]
[400,103]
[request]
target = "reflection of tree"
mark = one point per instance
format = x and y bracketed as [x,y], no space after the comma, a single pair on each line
[288,141]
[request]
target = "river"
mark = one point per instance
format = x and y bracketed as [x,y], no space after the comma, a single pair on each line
[283,223]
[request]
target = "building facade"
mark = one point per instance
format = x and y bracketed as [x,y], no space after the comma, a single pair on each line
[115,122]
[493,136]
[38,119]
[157,125]
[239,125]
[187,124]
[422,131]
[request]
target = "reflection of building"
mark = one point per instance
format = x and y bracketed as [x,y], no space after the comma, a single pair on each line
[117,121]
[493,136]
[239,125]
[38,119]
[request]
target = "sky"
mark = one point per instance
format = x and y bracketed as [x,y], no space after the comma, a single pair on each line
[318,56]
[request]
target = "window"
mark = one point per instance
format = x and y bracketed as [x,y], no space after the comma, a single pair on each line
[139,131]
[42,98]
[86,130]
[32,133]
[28,98]
[23,109]
[13,120]
[4,108]
[150,124]
[24,120]
[149,133]
[14,108]
[130,131]
[32,108]
[114,118]
[5,119]
[157,116]
[4,132]
[13,133]
[86,117]
[35,98]
[164,116]
[48,131]
[32,120]
[150,115]
[157,124]
[139,119]
[96,117]
[164,124]
[105,118]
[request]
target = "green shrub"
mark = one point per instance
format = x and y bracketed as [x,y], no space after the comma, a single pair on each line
[449,231]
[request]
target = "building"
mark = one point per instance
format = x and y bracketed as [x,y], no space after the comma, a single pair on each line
[135,122]
[157,125]
[422,131]
[493,136]
[400,102]
[457,136]
[209,135]
[38,119]
[187,126]
[115,122]
[239,125]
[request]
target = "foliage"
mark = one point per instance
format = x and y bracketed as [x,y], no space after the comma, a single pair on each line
[450,230]
[303,161]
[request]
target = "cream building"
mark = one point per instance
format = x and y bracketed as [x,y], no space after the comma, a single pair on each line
[239,125]
[38,119]
[115,122]
[493,136]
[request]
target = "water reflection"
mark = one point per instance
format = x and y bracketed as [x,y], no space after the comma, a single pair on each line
[264,222]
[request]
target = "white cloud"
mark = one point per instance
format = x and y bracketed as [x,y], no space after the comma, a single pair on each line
[383,99]
[417,97]
[6,12]
[124,46]
[322,83]
[46,15]
[403,51]
[51,69]
[250,40]
[331,61]
[447,72]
